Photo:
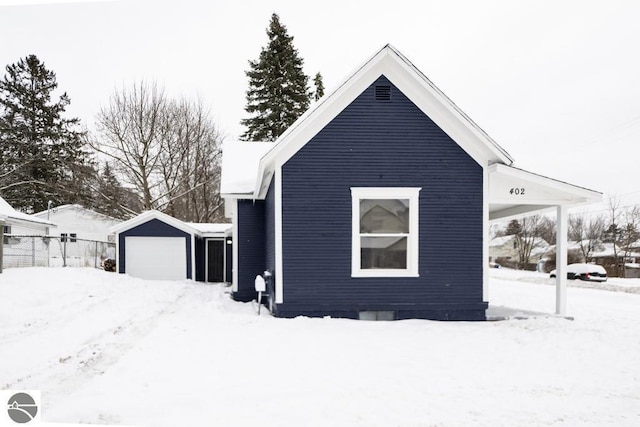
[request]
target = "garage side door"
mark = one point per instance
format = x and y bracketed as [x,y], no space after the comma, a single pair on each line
[163,258]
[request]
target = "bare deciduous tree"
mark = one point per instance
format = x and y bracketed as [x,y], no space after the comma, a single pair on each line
[167,150]
[129,133]
[629,234]
[587,231]
[191,164]
[527,238]
[612,233]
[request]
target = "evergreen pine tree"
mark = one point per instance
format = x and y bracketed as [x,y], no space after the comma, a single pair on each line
[317,82]
[278,88]
[111,195]
[41,153]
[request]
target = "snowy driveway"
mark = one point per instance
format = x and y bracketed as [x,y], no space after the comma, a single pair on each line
[109,349]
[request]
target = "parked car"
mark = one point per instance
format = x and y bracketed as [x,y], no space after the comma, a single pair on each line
[591,272]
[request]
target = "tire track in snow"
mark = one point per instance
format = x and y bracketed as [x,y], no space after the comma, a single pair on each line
[96,354]
[41,324]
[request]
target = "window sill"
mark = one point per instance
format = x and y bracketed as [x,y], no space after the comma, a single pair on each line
[384,273]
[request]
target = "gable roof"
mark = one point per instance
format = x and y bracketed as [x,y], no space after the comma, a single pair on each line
[153,214]
[413,84]
[7,212]
[62,208]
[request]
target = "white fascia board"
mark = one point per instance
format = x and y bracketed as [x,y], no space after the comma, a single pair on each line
[117,255]
[279,276]
[307,127]
[239,196]
[444,113]
[561,192]
[234,248]
[420,90]
[193,258]
[485,234]
[229,202]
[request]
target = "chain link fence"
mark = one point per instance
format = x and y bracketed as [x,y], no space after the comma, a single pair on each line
[54,251]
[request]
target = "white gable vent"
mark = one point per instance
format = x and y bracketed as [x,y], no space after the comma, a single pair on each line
[383,93]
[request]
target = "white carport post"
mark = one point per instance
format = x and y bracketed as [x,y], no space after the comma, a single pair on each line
[561,260]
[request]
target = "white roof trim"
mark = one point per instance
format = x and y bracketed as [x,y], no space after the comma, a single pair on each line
[212,229]
[534,192]
[148,216]
[408,79]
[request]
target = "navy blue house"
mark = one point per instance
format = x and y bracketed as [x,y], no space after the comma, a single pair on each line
[375,204]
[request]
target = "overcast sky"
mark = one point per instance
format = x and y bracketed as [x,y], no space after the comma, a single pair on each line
[555,83]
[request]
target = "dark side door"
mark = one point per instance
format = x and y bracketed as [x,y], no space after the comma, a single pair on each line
[215,260]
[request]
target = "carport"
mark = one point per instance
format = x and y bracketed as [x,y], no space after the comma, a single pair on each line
[515,192]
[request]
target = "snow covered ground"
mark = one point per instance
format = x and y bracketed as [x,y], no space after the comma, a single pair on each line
[109,349]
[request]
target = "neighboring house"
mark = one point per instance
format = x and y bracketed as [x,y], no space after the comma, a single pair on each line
[79,228]
[154,245]
[606,257]
[376,203]
[507,247]
[14,223]
[77,222]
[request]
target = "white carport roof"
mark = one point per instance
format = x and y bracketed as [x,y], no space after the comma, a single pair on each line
[516,192]
[212,229]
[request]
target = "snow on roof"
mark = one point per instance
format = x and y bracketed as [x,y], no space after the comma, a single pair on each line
[212,228]
[240,166]
[7,212]
[499,241]
[608,251]
[538,242]
[148,216]
[45,213]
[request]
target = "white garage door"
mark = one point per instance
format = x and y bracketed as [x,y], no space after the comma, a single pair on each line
[163,258]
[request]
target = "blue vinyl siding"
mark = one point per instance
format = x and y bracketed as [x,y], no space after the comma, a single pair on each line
[251,246]
[382,144]
[153,228]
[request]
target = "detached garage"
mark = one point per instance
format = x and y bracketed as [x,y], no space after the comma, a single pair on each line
[154,245]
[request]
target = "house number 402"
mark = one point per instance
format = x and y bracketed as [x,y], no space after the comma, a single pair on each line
[517,191]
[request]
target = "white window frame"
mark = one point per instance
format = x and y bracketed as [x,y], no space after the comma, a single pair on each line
[410,193]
